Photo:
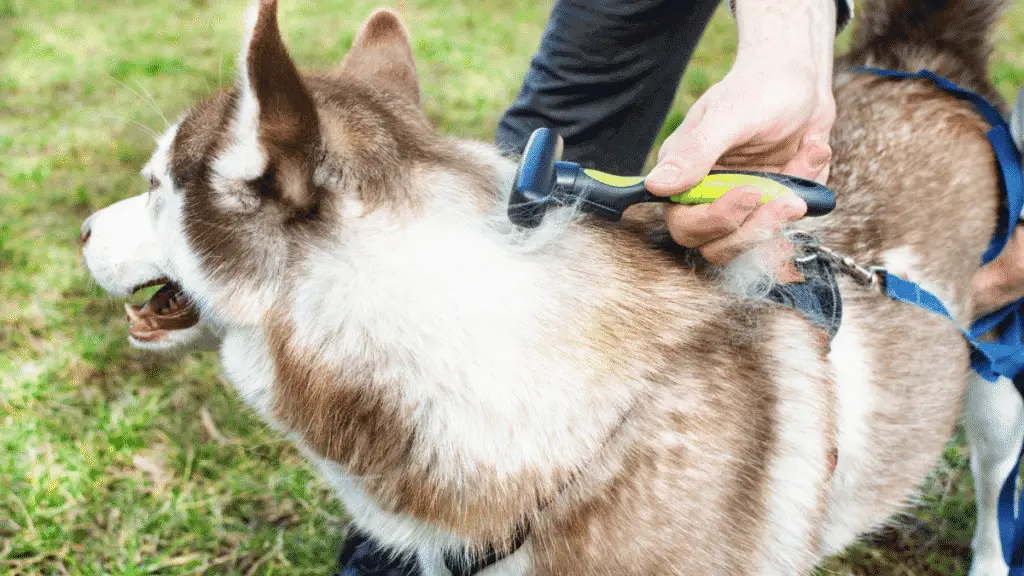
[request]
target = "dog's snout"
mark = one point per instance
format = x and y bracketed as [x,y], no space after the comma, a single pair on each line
[85,231]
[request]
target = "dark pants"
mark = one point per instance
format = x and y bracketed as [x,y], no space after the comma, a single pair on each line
[605,77]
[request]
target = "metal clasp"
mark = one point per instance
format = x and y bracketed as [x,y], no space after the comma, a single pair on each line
[811,248]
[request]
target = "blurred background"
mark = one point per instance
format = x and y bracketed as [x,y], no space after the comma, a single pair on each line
[113,461]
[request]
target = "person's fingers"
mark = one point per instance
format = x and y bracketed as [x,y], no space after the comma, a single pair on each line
[785,269]
[1001,281]
[762,226]
[814,155]
[811,160]
[822,177]
[694,226]
[689,153]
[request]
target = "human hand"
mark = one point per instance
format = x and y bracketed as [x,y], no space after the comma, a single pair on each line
[773,112]
[1001,281]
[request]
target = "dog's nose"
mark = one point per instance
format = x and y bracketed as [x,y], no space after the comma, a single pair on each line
[85,231]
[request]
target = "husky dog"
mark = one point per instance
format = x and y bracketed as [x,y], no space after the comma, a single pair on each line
[462,383]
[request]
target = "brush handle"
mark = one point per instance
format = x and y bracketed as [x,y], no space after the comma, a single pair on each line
[619,192]
[820,200]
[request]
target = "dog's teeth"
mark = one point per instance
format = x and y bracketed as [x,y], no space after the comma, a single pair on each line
[132,313]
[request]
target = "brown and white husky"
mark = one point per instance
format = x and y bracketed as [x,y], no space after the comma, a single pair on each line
[456,378]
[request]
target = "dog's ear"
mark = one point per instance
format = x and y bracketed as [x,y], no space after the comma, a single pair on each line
[381,55]
[276,129]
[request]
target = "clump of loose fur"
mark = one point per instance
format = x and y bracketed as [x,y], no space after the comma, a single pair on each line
[749,275]
[556,222]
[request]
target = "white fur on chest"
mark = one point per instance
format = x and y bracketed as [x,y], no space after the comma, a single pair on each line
[487,344]
[250,367]
[248,364]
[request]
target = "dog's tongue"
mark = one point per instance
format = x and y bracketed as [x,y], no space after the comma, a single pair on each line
[167,310]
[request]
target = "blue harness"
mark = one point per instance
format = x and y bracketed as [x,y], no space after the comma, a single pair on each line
[1005,356]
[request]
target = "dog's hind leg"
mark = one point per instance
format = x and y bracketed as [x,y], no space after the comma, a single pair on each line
[994,421]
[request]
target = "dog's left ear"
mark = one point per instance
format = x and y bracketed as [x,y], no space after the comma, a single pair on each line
[276,129]
[381,55]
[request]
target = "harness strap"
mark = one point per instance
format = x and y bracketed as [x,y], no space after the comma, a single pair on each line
[817,296]
[1005,356]
[1011,177]
[989,359]
[458,565]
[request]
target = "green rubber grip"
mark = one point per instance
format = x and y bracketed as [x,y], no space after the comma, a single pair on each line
[820,200]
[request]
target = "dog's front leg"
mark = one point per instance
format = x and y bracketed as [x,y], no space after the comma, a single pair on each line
[994,421]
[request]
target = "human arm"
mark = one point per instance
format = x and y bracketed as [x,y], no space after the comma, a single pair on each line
[773,111]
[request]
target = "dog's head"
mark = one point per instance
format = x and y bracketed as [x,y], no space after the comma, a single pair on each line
[250,178]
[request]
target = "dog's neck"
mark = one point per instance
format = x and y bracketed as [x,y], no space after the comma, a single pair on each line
[448,303]
[459,371]
[414,346]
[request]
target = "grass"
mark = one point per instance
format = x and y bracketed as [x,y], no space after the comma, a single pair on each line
[113,461]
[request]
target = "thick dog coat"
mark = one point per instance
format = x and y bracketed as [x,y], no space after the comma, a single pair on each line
[457,379]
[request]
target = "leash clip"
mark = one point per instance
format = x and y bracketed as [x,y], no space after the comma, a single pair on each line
[865,276]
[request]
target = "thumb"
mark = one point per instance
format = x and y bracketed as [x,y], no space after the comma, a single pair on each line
[690,152]
[812,159]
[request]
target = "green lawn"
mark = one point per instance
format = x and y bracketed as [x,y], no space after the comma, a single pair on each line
[113,461]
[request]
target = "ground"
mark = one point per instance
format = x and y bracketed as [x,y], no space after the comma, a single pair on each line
[113,461]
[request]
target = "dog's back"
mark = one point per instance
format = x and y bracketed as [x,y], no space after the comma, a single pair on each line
[917,193]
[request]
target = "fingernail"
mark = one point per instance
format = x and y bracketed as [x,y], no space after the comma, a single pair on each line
[665,174]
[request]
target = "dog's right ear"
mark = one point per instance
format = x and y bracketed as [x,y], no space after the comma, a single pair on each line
[381,55]
[276,129]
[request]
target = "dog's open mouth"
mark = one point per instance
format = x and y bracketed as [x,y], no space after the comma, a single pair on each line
[167,310]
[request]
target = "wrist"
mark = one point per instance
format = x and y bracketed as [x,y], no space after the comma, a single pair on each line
[793,35]
[797,30]
[844,13]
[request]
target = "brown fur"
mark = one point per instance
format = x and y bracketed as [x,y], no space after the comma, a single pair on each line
[381,52]
[373,438]
[942,185]
[704,371]
[289,125]
[716,429]
[375,143]
[949,37]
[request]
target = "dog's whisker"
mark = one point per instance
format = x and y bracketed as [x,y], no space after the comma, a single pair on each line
[153,105]
[149,131]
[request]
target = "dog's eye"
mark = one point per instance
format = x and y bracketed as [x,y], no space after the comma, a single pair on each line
[153,183]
